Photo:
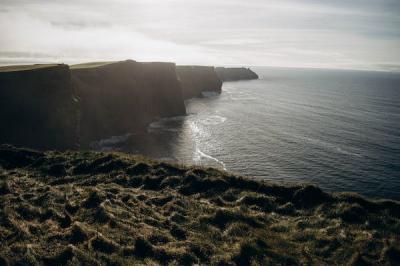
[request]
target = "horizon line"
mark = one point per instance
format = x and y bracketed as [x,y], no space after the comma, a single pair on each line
[366,69]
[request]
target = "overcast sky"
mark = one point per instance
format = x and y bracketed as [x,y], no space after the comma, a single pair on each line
[355,34]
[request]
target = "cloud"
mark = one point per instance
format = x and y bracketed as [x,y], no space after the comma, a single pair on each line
[352,34]
[34,39]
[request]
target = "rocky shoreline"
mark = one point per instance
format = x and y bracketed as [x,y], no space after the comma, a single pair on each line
[92,208]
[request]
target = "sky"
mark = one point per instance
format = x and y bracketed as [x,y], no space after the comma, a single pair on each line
[349,34]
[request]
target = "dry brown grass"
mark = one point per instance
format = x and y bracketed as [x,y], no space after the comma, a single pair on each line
[13,68]
[113,209]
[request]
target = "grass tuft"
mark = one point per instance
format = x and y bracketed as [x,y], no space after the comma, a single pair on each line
[93,208]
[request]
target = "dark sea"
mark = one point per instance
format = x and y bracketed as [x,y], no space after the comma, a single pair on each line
[337,129]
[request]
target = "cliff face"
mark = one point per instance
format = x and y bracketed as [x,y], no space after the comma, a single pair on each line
[196,79]
[118,97]
[234,74]
[38,107]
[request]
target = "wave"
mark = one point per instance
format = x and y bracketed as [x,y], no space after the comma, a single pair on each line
[323,144]
[200,154]
[166,124]
[110,143]
[209,94]
[243,98]
[213,120]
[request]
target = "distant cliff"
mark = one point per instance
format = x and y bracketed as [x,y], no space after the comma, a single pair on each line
[197,79]
[234,74]
[38,107]
[119,97]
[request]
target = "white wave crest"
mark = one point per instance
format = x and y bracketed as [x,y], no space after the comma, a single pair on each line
[109,143]
[200,154]
[209,94]
[213,120]
[165,124]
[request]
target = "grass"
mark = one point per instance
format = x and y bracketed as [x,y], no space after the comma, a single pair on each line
[25,67]
[114,209]
[91,65]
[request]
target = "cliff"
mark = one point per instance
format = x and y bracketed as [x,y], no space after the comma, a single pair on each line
[234,74]
[38,107]
[86,208]
[120,97]
[198,79]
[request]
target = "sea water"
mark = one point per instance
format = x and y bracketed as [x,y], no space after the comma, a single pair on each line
[338,129]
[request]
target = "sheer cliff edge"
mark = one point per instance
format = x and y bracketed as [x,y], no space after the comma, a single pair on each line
[38,107]
[235,74]
[196,80]
[121,97]
[66,107]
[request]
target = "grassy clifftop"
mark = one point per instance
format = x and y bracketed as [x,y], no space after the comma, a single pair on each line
[91,65]
[25,67]
[113,209]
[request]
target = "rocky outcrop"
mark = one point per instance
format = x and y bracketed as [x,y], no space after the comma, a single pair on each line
[120,97]
[198,79]
[38,108]
[234,74]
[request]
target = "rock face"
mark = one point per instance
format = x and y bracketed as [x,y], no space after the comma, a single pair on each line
[57,106]
[38,108]
[118,97]
[234,74]
[198,79]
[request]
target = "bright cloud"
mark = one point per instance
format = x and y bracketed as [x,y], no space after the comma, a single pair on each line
[361,34]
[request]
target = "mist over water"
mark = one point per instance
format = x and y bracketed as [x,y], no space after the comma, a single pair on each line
[337,129]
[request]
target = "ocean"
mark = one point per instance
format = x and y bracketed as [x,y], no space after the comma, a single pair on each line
[338,129]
